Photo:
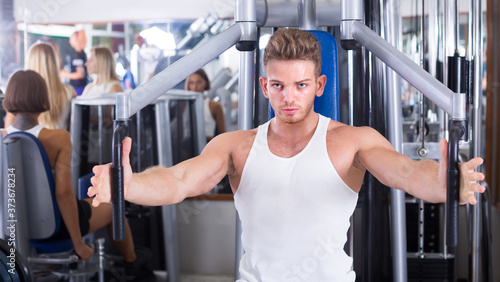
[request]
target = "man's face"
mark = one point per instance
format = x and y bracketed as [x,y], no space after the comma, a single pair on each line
[291,87]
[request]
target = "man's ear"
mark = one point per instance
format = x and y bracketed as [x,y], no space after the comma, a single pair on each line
[321,82]
[263,85]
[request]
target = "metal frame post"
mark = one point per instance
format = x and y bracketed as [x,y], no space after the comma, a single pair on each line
[307,14]
[475,49]
[395,125]
[246,15]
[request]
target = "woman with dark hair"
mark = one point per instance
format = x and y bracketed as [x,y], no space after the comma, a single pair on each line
[42,58]
[26,97]
[214,116]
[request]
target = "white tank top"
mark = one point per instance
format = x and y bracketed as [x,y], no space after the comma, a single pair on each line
[294,213]
[94,90]
[209,119]
[35,131]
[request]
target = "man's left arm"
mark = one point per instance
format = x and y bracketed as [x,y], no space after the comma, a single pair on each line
[425,179]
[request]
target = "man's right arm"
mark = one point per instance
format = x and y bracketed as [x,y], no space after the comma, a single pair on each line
[78,74]
[162,186]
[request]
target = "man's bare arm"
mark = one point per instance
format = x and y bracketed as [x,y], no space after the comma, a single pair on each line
[425,179]
[163,186]
[78,74]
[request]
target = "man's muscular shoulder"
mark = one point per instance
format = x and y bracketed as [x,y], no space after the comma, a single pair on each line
[235,144]
[354,140]
[343,145]
[340,132]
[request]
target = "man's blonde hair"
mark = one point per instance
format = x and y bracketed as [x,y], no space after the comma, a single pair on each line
[293,44]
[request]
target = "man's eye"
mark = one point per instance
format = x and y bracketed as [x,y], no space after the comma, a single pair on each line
[302,85]
[276,85]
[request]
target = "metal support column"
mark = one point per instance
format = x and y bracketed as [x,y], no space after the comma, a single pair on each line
[395,126]
[307,14]
[475,50]
[245,15]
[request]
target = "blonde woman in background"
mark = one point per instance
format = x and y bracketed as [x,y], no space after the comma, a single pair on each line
[102,64]
[42,59]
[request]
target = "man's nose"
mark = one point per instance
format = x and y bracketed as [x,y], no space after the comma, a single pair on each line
[289,94]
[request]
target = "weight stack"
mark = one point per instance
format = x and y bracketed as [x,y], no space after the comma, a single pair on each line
[432,267]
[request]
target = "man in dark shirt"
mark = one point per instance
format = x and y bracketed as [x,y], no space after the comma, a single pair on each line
[78,72]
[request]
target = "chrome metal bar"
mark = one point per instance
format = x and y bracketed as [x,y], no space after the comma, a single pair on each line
[245,92]
[421,210]
[456,23]
[76,133]
[395,136]
[164,141]
[422,55]
[350,79]
[139,140]
[245,14]
[100,252]
[448,50]
[245,117]
[449,21]
[285,13]
[433,37]
[68,260]
[129,104]
[419,78]
[307,14]
[100,133]
[476,48]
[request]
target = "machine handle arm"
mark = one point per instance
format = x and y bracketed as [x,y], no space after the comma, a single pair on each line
[406,68]
[453,184]
[129,104]
[117,189]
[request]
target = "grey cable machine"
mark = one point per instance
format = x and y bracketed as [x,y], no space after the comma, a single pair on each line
[347,14]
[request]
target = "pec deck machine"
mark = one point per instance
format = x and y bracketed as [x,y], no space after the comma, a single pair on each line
[249,17]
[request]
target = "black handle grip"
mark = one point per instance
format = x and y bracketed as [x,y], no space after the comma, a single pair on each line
[118,203]
[117,188]
[453,186]
[452,210]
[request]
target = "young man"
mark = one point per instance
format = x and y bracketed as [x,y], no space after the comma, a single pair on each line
[296,178]
[77,74]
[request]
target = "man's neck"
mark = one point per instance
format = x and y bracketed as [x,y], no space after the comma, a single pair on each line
[297,130]
[288,139]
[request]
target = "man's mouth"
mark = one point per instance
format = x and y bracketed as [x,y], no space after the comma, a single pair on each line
[289,111]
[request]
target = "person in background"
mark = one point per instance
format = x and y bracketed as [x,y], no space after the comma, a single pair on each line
[26,97]
[51,42]
[43,59]
[77,74]
[124,73]
[101,65]
[214,115]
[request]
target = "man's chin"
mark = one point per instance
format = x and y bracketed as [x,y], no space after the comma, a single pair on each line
[291,119]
